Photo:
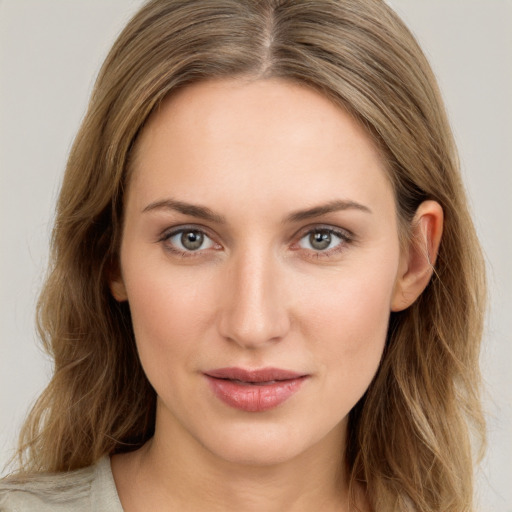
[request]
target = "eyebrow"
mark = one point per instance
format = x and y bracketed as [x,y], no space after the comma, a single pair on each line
[330,207]
[202,212]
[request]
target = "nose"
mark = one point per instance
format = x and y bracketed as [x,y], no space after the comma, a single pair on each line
[254,310]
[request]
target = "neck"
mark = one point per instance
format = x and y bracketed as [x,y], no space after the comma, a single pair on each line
[170,475]
[161,476]
[303,483]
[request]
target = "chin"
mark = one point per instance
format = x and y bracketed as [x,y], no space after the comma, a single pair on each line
[268,446]
[257,454]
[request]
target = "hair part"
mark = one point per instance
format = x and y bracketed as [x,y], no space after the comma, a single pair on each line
[409,436]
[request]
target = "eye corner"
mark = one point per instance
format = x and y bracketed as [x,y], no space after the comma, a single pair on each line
[333,241]
[202,241]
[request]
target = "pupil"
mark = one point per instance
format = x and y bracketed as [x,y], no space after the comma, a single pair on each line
[192,240]
[320,240]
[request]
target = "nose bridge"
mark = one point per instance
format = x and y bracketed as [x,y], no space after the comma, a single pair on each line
[254,312]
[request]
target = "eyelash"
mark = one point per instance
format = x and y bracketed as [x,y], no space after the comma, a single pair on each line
[167,235]
[345,238]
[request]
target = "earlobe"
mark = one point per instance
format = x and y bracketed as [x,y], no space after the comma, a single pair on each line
[418,258]
[118,290]
[116,285]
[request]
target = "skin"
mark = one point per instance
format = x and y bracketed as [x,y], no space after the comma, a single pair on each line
[257,293]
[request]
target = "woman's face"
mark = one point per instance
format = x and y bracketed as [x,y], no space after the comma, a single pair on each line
[259,257]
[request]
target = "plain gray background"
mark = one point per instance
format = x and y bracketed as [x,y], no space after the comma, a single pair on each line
[50,53]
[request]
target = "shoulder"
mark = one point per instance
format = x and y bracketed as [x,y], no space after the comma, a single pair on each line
[59,492]
[88,489]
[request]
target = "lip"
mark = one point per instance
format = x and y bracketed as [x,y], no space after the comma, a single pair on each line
[254,390]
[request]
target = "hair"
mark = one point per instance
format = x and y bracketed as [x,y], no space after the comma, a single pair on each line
[410,436]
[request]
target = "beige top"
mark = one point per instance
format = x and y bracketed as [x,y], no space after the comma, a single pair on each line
[90,489]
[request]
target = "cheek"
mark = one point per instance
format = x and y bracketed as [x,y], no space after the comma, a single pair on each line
[165,309]
[347,328]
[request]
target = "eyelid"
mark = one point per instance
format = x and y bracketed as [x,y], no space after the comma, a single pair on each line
[173,230]
[341,232]
[170,232]
[345,235]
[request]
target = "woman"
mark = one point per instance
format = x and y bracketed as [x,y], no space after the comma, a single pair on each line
[266,290]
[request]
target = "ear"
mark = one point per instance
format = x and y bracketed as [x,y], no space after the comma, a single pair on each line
[418,257]
[116,283]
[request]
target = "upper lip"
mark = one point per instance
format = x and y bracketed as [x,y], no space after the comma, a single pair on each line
[258,375]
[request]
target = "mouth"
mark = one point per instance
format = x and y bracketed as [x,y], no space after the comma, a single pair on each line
[254,390]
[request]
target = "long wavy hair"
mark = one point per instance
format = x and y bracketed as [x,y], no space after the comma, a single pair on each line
[410,436]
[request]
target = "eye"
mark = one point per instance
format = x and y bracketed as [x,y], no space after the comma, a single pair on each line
[189,240]
[322,240]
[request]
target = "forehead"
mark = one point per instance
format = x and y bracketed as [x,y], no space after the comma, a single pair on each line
[212,107]
[271,138]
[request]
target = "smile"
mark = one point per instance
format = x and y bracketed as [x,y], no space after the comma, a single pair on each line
[254,390]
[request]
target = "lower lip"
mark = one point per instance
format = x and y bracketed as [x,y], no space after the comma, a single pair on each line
[254,397]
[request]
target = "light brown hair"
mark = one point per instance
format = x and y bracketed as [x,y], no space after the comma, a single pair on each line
[409,436]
